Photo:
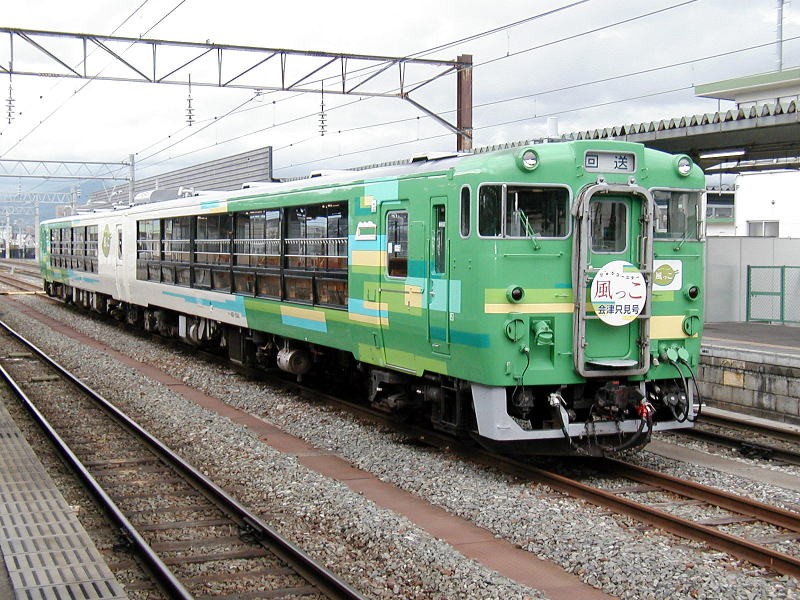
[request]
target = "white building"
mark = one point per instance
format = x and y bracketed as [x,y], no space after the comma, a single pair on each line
[766,204]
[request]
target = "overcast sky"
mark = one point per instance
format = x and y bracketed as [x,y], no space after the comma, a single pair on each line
[542,68]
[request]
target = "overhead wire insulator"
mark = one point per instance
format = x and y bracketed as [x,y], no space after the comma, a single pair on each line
[10,103]
[322,115]
[189,109]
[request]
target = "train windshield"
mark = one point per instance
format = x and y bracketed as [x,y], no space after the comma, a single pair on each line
[678,214]
[517,211]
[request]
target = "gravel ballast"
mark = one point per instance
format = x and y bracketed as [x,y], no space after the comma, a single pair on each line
[378,551]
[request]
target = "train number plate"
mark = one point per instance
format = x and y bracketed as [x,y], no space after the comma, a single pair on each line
[609,162]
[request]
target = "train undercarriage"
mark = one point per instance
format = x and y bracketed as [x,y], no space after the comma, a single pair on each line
[600,416]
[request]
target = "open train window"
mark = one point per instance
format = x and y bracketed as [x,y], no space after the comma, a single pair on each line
[519,211]
[397,243]
[678,214]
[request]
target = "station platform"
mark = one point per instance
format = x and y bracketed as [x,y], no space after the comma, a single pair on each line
[752,368]
[780,340]
[46,553]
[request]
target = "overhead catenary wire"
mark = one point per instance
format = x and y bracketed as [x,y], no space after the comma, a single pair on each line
[492,31]
[449,44]
[247,105]
[499,124]
[366,71]
[487,104]
[86,84]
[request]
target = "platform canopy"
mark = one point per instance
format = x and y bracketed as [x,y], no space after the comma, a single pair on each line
[762,133]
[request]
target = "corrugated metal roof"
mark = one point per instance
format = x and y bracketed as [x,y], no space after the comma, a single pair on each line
[768,132]
[753,113]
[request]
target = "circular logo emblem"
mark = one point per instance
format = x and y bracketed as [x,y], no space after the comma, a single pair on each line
[664,275]
[105,245]
[618,293]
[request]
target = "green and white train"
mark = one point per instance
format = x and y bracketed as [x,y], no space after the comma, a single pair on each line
[543,299]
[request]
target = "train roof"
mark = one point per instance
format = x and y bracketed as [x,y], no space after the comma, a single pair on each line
[419,166]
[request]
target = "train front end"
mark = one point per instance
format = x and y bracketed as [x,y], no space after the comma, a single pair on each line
[597,272]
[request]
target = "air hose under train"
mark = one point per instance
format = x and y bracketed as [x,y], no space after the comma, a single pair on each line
[639,438]
[674,357]
[697,390]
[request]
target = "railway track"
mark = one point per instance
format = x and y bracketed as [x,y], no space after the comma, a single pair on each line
[18,286]
[191,535]
[782,525]
[750,437]
[778,526]
[25,267]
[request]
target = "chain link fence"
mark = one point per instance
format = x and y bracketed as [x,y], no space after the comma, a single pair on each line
[773,294]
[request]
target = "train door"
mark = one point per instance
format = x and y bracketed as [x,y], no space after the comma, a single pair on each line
[439,278]
[612,264]
[119,263]
[399,296]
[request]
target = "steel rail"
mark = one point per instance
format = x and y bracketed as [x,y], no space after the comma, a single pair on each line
[328,583]
[757,427]
[164,574]
[748,449]
[733,545]
[21,286]
[736,546]
[739,504]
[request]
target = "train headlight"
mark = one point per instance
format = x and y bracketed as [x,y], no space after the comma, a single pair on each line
[683,164]
[515,293]
[693,292]
[528,159]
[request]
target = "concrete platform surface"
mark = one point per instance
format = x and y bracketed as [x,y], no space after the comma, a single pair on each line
[765,337]
[45,551]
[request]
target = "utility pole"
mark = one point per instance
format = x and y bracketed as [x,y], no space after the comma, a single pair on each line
[8,235]
[779,41]
[131,179]
[37,219]
[464,104]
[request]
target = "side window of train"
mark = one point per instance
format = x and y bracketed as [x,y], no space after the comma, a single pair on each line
[678,214]
[519,211]
[466,217]
[439,240]
[490,210]
[397,243]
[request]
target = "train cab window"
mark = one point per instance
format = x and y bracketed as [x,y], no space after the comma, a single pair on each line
[490,211]
[517,211]
[609,226]
[397,243]
[466,217]
[678,214]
